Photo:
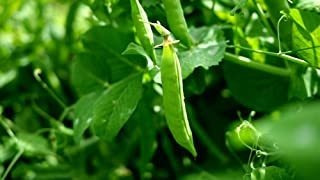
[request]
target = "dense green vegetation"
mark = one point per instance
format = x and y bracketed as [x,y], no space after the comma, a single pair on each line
[160,89]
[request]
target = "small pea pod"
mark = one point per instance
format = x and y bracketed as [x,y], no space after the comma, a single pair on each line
[143,29]
[177,22]
[173,98]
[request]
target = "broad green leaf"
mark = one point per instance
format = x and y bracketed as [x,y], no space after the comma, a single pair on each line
[33,145]
[306,34]
[90,73]
[83,114]
[105,39]
[105,63]
[115,106]
[295,130]
[255,89]
[304,82]
[135,49]
[312,5]
[209,50]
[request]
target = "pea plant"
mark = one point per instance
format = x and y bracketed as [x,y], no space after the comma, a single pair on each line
[160,89]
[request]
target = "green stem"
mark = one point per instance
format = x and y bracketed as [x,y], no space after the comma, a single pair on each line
[246,62]
[20,152]
[280,55]
[65,112]
[55,123]
[12,163]
[44,85]
[278,33]
[70,20]
[8,130]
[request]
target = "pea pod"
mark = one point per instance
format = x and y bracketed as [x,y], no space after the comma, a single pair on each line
[173,98]
[177,22]
[143,29]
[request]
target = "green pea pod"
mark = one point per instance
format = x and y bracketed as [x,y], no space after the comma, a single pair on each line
[143,28]
[173,98]
[177,22]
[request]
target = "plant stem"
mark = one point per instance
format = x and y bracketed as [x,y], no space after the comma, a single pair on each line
[280,55]
[65,112]
[36,74]
[278,33]
[70,20]
[12,163]
[246,62]
[55,123]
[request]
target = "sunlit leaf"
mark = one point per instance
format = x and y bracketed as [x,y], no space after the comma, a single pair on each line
[115,106]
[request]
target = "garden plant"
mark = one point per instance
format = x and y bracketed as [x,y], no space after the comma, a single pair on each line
[160,89]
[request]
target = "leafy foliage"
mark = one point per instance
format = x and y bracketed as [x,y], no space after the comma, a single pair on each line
[81,93]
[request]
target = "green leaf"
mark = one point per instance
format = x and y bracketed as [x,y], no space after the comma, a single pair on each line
[312,5]
[33,145]
[105,63]
[90,73]
[115,106]
[135,49]
[209,50]
[304,82]
[306,34]
[83,114]
[255,89]
[106,39]
[295,130]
